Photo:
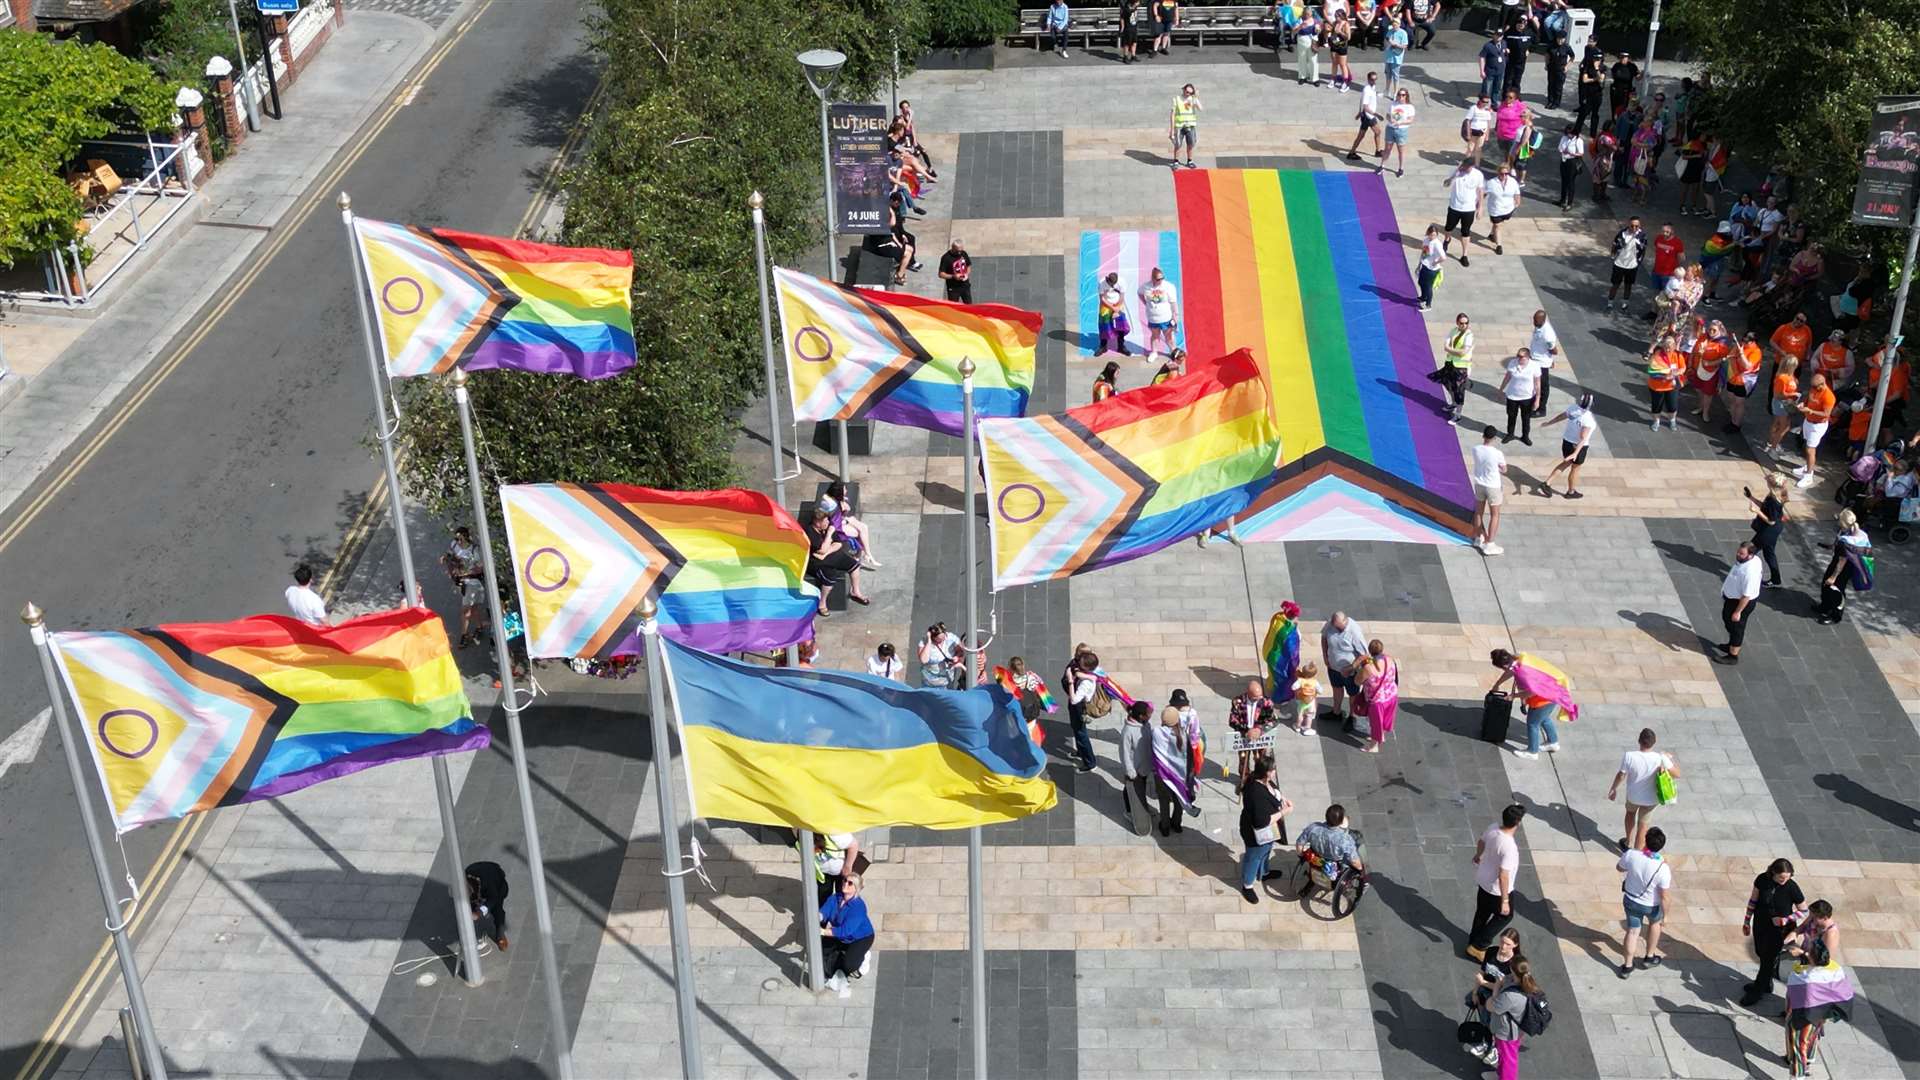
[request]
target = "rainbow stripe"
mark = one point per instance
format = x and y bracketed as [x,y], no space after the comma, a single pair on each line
[1132,255]
[727,568]
[444,298]
[1123,478]
[896,357]
[190,716]
[1306,269]
[1281,648]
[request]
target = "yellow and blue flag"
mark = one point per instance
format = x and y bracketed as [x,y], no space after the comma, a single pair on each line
[835,751]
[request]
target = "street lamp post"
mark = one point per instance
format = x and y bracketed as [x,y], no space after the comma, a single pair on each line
[1646,74]
[823,70]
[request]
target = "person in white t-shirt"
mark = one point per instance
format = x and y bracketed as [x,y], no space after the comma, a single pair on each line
[1433,257]
[1489,491]
[1581,424]
[1519,385]
[1369,117]
[1473,130]
[1545,344]
[1466,187]
[303,601]
[1503,198]
[1162,303]
[1644,893]
[886,663]
[1640,771]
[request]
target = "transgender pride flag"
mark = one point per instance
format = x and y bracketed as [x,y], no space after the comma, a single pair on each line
[1133,255]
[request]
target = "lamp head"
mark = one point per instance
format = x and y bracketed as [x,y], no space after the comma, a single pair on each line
[822,67]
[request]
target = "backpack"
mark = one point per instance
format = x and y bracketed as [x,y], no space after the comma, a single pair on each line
[1535,1018]
[1101,704]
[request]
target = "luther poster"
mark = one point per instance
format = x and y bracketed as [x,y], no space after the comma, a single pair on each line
[1884,194]
[858,145]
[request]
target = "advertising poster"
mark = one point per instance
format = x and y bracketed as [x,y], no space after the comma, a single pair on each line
[858,145]
[1884,195]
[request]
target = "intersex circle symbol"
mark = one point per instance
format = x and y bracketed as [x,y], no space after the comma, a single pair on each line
[825,347]
[386,295]
[1039,504]
[153,733]
[566,570]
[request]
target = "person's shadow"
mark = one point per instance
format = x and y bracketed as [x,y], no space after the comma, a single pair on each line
[1665,629]
[1853,793]
[1427,1034]
[1417,912]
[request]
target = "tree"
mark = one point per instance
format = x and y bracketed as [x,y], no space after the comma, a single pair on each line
[178,37]
[55,95]
[1800,94]
[703,104]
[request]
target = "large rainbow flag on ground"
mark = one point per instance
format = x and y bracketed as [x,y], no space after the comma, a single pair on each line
[443,299]
[1125,477]
[896,357]
[727,568]
[1309,271]
[191,716]
[834,751]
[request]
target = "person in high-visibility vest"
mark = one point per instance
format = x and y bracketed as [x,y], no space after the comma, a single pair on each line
[1183,126]
[1455,369]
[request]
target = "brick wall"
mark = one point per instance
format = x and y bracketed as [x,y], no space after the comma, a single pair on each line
[22,11]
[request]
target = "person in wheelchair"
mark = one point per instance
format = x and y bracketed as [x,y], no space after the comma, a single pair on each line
[1331,844]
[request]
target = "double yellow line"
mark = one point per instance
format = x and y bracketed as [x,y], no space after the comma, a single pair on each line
[167,864]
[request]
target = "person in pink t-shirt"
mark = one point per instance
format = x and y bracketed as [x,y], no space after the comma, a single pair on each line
[1509,120]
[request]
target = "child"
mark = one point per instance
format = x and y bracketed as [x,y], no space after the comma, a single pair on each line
[1306,695]
[1191,718]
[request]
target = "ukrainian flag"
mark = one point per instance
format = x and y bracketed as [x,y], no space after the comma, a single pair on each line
[834,751]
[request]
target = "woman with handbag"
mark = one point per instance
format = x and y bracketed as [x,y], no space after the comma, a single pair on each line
[939,666]
[1852,564]
[1379,693]
[1262,824]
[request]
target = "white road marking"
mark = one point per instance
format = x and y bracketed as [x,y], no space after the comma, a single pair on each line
[23,745]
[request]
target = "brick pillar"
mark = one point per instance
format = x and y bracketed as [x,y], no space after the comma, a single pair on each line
[227,100]
[194,122]
[285,45]
[22,13]
[340,13]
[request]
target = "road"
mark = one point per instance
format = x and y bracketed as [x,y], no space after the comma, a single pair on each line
[251,455]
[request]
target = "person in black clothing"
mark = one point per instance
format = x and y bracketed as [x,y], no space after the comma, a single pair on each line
[487,898]
[1425,13]
[1774,907]
[1129,31]
[956,269]
[1769,521]
[1080,670]
[829,559]
[1591,88]
[1263,812]
[901,241]
[1520,38]
[1559,55]
[1624,73]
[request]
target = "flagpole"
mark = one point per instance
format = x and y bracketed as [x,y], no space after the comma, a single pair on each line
[116,925]
[756,202]
[685,1002]
[509,702]
[456,868]
[810,914]
[976,909]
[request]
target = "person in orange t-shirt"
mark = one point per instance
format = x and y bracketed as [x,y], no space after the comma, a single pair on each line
[1665,367]
[1834,360]
[1791,339]
[1743,374]
[1862,418]
[1710,354]
[1782,398]
[1816,415]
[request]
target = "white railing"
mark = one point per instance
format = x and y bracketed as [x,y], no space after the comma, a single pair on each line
[306,25]
[69,279]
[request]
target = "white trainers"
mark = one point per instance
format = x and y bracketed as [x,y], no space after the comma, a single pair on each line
[845,990]
[838,983]
[1527,755]
[1203,539]
[1656,423]
[1806,481]
[1552,748]
[866,965]
[1492,549]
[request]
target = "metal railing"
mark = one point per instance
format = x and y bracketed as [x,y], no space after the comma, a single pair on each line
[67,273]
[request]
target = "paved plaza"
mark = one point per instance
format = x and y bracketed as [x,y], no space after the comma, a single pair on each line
[287,943]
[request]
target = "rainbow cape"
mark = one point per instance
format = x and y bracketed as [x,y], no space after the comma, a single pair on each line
[1281,647]
[1005,678]
[190,716]
[835,751]
[896,357]
[443,299]
[1541,679]
[1125,477]
[1717,246]
[1306,270]
[727,568]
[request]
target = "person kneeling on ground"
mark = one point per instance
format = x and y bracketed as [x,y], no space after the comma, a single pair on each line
[845,935]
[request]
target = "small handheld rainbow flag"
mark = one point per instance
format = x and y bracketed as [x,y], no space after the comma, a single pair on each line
[1005,679]
[1281,648]
[444,299]
[189,716]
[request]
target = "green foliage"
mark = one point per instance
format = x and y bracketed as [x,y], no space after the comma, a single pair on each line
[54,95]
[1801,94]
[703,104]
[965,23]
[178,37]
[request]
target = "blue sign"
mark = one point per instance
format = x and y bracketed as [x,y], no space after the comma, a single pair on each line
[277,7]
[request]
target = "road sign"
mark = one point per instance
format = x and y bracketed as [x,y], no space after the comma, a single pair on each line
[277,7]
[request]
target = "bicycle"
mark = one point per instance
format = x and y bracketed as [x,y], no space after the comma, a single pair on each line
[1343,891]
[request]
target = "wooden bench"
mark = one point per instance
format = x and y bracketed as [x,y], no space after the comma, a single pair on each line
[1238,21]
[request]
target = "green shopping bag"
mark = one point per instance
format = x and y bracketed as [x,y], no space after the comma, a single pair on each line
[1663,781]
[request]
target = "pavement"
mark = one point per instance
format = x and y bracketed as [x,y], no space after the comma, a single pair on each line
[304,937]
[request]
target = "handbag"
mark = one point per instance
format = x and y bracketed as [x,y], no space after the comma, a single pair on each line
[1265,835]
[1663,783]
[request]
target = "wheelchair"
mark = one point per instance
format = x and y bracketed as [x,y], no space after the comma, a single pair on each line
[1343,892]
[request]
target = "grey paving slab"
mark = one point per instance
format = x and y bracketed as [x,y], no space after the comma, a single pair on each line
[1371,580]
[922,1028]
[588,758]
[1577,571]
[1422,803]
[1009,174]
[1842,793]
[1266,161]
[1891,995]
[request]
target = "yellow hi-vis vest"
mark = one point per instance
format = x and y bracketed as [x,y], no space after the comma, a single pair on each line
[1184,114]
[1460,348]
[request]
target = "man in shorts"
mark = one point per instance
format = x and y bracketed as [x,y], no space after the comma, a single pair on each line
[1161,304]
[1628,245]
[1369,117]
[1489,490]
[1640,771]
[1466,188]
[1643,894]
[1183,125]
[1342,644]
[1816,416]
[1581,424]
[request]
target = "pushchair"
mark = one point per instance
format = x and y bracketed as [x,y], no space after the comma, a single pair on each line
[1864,491]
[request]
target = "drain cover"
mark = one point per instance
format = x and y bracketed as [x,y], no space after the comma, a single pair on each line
[770,984]
[426,978]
